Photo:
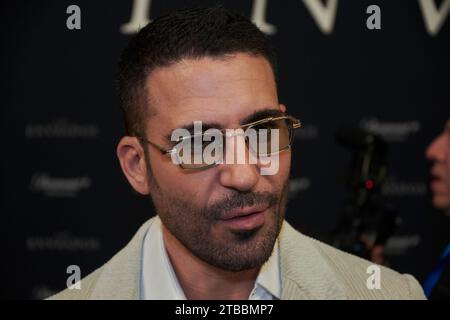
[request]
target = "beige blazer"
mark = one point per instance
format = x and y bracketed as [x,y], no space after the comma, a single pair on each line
[309,270]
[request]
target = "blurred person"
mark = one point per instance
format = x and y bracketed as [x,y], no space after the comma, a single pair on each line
[220,231]
[437,284]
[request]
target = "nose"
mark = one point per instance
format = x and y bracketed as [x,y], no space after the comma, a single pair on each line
[239,176]
[436,151]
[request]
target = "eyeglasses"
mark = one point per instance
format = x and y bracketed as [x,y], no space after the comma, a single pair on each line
[261,134]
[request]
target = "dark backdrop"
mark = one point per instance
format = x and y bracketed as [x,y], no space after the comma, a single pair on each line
[65,200]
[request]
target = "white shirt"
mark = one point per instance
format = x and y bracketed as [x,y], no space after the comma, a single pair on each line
[159,281]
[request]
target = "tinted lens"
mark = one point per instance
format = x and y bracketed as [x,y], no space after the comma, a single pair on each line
[263,134]
[259,139]
[206,153]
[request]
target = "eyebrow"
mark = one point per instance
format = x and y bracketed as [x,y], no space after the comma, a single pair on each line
[255,116]
[190,127]
[261,114]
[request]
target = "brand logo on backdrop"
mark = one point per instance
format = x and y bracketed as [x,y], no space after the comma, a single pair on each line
[59,187]
[391,131]
[61,128]
[323,12]
[63,241]
[298,185]
[396,188]
[399,245]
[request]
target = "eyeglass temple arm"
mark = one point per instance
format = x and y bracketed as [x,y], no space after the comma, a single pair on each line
[163,150]
[295,122]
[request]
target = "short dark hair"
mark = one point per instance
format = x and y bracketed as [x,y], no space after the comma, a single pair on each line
[190,33]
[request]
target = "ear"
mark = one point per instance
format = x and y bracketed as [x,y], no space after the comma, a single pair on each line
[132,162]
[282,108]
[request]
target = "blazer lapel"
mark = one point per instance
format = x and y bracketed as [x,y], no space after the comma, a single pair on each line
[305,272]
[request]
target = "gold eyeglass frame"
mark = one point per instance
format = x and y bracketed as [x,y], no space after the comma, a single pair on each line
[296,124]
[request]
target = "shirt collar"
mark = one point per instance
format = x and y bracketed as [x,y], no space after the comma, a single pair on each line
[269,276]
[159,281]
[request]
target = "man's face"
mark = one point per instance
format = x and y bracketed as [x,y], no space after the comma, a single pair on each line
[439,153]
[193,205]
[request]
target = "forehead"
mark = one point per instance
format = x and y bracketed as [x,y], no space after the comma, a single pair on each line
[221,90]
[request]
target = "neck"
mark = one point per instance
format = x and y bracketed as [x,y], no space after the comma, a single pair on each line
[200,280]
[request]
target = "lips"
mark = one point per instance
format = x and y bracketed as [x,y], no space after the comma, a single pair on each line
[242,212]
[437,174]
[247,218]
[438,182]
[434,179]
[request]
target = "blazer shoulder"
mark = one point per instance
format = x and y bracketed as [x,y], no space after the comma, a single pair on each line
[357,275]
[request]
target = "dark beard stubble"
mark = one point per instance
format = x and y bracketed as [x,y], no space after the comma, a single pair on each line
[193,227]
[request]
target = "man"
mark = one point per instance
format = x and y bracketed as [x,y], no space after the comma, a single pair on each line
[437,284]
[220,231]
[438,152]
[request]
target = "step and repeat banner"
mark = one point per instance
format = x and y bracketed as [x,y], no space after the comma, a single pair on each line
[347,69]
